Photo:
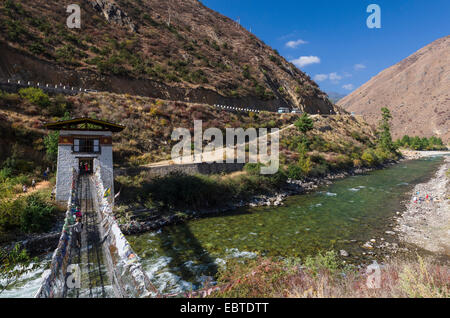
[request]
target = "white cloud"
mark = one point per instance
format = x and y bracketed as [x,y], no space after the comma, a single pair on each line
[358,67]
[306,60]
[320,77]
[348,87]
[346,74]
[335,77]
[295,44]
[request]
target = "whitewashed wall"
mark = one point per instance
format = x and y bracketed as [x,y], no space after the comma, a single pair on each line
[68,161]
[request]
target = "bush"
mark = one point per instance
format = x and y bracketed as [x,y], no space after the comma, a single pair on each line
[59,106]
[253,168]
[305,164]
[295,172]
[246,72]
[35,96]
[319,170]
[322,262]
[10,212]
[342,162]
[37,216]
[5,173]
[369,158]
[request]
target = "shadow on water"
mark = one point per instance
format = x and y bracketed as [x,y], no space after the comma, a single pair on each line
[188,257]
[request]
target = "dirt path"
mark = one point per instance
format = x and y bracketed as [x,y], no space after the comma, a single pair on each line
[211,156]
[39,186]
[427,223]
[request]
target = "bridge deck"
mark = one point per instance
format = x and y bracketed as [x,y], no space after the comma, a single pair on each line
[94,277]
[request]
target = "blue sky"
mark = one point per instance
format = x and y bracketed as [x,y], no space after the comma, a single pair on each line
[335,32]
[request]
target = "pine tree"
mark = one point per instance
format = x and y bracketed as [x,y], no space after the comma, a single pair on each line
[384,132]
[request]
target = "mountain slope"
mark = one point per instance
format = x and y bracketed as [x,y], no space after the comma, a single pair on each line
[178,50]
[416,90]
[335,97]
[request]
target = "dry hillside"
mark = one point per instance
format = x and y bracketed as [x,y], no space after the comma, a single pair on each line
[135,46]
[149,124]
[416,90]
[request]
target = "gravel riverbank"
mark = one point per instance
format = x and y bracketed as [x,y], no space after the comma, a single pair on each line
[426,223]
[416,154]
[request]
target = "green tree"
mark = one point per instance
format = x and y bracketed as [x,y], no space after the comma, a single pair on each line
[14,264]
[51,142]
[405,141]
[384,133]
[304,123]
[51,145]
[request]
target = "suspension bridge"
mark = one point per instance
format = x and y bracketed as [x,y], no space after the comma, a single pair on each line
[105,264]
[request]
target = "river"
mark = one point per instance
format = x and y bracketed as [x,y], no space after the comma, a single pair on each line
[182,257]
[343,215]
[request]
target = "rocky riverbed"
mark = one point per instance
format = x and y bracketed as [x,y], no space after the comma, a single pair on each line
[426,222]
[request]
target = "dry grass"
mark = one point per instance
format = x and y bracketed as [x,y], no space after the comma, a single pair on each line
[422,277]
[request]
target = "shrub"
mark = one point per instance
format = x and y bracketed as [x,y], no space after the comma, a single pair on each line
[305,164]
[322,262]
[319,170]
[215,46]
[37,48]
[9,211]
[369,158]
[295,172]
[198,76]
[246,72]
[342,162]
[37,215]
[5,173]
[253,168]
[35,96]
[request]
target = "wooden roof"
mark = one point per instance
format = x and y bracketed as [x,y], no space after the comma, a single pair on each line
[86,124]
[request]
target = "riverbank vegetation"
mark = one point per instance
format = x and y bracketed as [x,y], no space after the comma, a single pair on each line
[312,147]
[417,143]
[325,275]
[180,191]
[23,213]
